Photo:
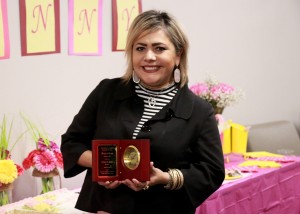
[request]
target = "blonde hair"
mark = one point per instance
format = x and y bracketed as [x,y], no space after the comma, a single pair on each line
[151,21]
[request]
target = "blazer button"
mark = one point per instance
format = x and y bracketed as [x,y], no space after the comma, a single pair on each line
[146,128]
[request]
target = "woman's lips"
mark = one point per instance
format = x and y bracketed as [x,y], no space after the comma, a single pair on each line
[151,68]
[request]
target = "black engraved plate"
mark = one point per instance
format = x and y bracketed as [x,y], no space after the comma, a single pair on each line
[107,165]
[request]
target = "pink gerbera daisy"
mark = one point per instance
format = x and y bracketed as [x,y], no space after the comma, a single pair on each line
[45,161]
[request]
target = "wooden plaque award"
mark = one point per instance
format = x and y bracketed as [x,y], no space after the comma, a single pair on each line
[121,159]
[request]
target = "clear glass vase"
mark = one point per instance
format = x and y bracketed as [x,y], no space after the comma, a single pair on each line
[47,179]
[5,190]
[47,184]
[4,198]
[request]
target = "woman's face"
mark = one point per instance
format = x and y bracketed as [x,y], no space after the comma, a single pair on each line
[154,58]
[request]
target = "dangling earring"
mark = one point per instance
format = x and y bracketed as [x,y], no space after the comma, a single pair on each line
[177,75]
[135,78]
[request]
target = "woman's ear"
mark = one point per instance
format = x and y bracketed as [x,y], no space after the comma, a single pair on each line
[177,61]
[178,57]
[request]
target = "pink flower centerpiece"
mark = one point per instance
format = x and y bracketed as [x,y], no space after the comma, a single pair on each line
[218,94]
[45,159]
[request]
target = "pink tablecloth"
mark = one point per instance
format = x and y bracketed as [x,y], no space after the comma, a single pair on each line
[270,190]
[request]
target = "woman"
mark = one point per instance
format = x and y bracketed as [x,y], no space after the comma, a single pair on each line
[151,101]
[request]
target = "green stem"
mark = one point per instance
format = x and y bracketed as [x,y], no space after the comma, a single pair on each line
[4,198]
[47,184]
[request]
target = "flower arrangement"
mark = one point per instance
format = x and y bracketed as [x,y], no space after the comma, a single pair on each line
[9,170]
[219,94]
[45,159]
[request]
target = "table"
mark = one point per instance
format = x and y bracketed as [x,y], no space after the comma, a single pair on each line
[57,201]
[269,190]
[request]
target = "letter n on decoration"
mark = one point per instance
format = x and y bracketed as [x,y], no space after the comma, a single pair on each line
[124,13]
[85,27]
[40,27]
[4,37]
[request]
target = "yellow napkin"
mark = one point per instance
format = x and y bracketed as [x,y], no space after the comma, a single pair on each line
[260,154]
[261,164]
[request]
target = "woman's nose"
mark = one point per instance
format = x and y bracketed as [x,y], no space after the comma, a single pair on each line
[150,55]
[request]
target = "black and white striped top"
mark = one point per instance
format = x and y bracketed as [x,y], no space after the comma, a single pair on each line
[154,101]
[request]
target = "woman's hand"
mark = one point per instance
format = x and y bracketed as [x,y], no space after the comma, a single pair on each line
[156,177]
[136,185]
[110,184]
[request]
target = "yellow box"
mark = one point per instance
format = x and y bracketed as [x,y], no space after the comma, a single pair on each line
[226,141]
[239,138]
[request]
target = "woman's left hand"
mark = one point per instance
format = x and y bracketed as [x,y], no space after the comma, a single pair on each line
[156,177]
[136,185]
[110,184]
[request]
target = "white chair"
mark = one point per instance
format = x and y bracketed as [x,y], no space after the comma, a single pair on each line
[273,136]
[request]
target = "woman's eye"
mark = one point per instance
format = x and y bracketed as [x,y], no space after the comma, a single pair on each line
[140,48]
[160,49]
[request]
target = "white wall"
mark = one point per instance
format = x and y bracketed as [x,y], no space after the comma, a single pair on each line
[251,44]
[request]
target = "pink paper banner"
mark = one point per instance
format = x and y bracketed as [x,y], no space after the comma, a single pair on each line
[123,13]
[4,36]
[85,27]
[40,27]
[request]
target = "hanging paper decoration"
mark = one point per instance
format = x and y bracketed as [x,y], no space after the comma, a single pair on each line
[85,27]
[4,37]
[40,27]
[124,13]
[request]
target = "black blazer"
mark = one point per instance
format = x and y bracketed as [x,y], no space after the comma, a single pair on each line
[183,135]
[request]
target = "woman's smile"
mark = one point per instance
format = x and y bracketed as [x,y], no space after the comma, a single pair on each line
[151,68]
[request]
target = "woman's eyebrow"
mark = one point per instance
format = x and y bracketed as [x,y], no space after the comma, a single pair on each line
[140,43]
[154,44]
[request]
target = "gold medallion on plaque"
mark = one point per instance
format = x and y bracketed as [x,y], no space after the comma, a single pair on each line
[131,157]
